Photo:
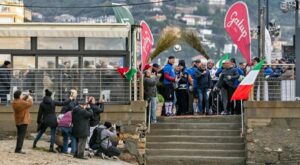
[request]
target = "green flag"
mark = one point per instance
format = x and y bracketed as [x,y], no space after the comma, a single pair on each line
[223,58]
[122,14]
[130,73]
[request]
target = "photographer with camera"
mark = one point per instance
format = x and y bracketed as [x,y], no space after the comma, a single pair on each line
[97,108]
[21,105]
[81,127]
[101,142]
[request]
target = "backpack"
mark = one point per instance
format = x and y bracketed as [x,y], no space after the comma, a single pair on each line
[96,137]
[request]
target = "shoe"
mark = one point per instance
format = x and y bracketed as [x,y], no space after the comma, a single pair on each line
[83,158]
[51,149]
[34,145]
[115,158]
[20,152]
[224,113]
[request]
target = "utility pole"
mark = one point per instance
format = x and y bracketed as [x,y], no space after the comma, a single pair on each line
[258,28]
[297,50]
[267,13]
[262,31]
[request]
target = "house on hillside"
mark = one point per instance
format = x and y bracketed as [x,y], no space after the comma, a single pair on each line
[193,20]
[186,10]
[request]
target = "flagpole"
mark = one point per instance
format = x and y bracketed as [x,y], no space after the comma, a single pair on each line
[218,103]
[242,119]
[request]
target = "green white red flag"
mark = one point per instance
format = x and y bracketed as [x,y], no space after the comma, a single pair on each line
[223,59]
[243,90]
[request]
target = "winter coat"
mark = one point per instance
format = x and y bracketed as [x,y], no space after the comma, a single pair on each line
[105,135]
[81,122]
[150,87]
[69,107]
[97,109]
[224,81]
[203,79]
[21,111]
[46,114]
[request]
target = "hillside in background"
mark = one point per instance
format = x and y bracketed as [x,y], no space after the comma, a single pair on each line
[146,12]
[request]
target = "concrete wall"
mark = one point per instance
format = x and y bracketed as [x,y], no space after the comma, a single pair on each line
[272,133]
[126,114]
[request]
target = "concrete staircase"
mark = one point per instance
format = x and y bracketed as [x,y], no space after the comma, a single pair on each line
[195,141]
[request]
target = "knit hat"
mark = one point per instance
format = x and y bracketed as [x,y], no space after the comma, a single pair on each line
[48,93]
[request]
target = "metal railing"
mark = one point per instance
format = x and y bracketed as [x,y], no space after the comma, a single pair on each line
[106,83]
[275,82]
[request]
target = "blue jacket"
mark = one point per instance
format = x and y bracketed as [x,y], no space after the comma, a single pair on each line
[268,71]
[192,72]
[168,69]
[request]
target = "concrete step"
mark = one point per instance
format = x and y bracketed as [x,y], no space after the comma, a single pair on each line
[195,152]
[224,126]
[196,132]
[193,160]
[200,139]
[201,119]
[189,145]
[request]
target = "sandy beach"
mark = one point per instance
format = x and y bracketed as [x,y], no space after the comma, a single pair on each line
[40,156]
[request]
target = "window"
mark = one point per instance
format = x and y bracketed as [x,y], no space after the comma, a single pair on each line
[57,43]
[14,43]
[103,62]
[105,43]
[4,57]
[46,62]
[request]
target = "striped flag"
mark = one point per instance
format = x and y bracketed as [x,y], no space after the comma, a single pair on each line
[224,58]
[243,90]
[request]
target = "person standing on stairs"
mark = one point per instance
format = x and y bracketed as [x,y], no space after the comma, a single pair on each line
[169,80]
[150,92]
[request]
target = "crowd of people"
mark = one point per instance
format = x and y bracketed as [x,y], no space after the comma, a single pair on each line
[203,89]
[78,123]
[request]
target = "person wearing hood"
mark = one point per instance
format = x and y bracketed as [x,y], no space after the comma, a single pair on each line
[47,118]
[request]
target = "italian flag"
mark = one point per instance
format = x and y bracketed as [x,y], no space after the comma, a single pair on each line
[243,90]
[223,58]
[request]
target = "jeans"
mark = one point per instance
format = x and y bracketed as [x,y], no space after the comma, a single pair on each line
[67,133]
[42,131]
[202,96]
[80,147]
[153,104]
[21,132]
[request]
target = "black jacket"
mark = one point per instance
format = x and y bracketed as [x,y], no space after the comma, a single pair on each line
[81,122]
[69,107]
[46,114]
[203,79]
[97,109]
[224,81]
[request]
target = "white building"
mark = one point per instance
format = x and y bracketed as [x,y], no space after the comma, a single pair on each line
[196,20]
[157,2]
[217,2]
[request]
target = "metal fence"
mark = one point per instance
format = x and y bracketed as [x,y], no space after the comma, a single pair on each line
[105,83]
[275,82]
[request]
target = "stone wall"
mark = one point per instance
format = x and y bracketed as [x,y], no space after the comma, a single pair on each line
[126,115]
[272,133]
